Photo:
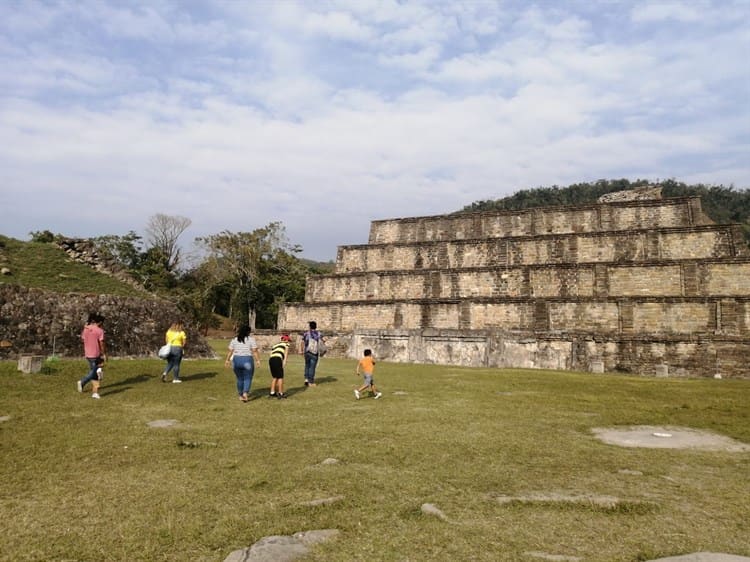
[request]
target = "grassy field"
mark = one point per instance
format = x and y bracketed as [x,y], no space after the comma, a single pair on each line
[90,480]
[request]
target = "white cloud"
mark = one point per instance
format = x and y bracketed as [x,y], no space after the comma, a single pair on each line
[327,116]
[661,11]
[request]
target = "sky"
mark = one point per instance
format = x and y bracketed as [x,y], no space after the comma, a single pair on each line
[326,115]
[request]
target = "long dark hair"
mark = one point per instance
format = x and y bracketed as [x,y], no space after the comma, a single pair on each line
[242,333]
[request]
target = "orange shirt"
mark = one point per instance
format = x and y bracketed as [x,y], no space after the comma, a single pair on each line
[367,364]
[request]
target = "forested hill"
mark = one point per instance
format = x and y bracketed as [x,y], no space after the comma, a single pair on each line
[723,204]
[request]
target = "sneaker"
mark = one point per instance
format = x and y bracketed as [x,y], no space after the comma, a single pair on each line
[307,383]
[378,395]
[273,395]
[243,398]
[80,387]
[95,395]
[164,377]
[177,381]
[356,394]
[281,395]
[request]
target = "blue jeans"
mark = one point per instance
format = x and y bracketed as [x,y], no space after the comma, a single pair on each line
[311,362]
[173,362]
[244,368]
[92,371]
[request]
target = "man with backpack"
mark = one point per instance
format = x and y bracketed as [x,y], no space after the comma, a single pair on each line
[313,347]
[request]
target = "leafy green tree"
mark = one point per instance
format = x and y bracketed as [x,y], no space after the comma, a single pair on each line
[43,236]
[123,250]
[153,273]
[280,279]
[238,260]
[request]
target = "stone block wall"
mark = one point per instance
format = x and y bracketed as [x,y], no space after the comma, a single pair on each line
[33,321]
[645,316]
[663,278]
[676,357]
[629,215]
[640,286]
[702,242]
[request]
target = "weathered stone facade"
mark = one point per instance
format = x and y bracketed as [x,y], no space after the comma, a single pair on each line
[647,286]
[33,321]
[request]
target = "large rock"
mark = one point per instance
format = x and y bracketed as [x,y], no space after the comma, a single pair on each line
[282,548]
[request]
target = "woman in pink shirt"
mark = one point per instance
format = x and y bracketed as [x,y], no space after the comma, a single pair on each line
[93,349]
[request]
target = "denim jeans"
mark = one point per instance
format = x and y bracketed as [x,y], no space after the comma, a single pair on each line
[244,368]
[173,361]
[311,361]
[92,371]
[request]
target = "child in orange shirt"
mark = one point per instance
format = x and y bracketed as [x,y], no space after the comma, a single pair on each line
[366,366]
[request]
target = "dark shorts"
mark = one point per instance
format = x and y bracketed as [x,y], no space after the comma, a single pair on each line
[276,365]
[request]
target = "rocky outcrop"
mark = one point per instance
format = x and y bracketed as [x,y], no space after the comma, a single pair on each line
[638,194]
[84,251]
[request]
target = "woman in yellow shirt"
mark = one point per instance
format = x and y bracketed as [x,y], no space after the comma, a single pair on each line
[176,339]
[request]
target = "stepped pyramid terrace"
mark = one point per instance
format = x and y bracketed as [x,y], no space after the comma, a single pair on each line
[635,283]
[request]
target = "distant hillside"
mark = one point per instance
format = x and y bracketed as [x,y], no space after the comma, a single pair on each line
[319,267]
[723,204]
[45,266]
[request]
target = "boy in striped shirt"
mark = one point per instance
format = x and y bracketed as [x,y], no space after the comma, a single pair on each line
[277,362]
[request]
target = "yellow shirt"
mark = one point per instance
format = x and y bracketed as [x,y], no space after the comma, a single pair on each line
[176,338]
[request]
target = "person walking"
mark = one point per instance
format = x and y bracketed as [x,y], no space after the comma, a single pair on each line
[176,339]
[276,363]
[243,354]
[366,367]
[94,351]
[310,342]
[97,381]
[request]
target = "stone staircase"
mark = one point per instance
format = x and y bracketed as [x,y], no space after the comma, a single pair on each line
[647,286]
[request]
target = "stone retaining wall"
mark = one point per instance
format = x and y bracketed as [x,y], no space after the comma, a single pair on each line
[670,278]
[630,215]
[642,245]
[665,356]
[33,321]
[648,317]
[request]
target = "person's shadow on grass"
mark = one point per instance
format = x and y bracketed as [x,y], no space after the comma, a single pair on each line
[130,380]
[324,380]
[199,376]
[106,392]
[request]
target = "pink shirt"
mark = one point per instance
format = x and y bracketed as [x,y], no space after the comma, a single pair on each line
[91,336]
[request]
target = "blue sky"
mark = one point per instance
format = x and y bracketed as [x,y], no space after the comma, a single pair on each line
[326,115]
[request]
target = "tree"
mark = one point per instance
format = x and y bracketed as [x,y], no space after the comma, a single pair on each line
[163,231]
[280,279]
[237,260]
[124,250]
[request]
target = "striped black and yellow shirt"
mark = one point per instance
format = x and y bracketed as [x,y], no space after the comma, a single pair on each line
[280,350]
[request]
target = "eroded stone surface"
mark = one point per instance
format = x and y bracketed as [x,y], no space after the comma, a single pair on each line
[431,509]
[660,437]
[324,501]
[704,557]
[282,548]
[163,423]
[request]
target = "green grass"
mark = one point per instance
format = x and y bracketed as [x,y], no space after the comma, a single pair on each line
[89,480]
[45,266]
